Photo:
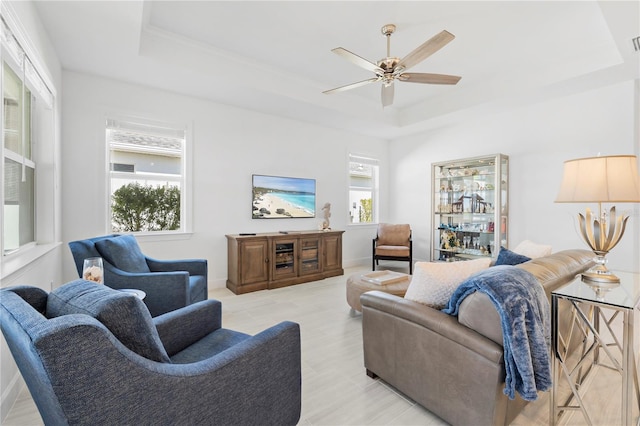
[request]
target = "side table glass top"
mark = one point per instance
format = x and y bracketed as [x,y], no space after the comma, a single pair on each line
[625,295]
[138,293]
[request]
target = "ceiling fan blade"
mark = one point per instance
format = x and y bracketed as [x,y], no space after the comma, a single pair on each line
[387,94]
[427,78]
[425,50]
[352,85]
[358,60]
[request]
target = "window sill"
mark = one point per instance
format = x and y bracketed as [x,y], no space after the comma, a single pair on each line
[161,236]
[12,263]
[363,225]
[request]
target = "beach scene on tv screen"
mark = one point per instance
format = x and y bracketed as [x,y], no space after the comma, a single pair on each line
[276,197]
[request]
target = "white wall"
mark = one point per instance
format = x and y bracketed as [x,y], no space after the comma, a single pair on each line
[229,145]
[538,138]
[39,266]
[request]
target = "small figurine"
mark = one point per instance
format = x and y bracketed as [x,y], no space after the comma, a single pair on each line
[327,214]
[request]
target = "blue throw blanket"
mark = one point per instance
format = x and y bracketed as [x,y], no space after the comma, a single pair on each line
[525,318]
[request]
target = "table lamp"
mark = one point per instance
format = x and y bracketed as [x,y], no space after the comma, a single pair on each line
[609,179]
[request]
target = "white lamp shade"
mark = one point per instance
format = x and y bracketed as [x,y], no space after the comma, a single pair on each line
[600,180]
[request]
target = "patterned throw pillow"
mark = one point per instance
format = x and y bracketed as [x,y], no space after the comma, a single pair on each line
[433,283]
[508,257]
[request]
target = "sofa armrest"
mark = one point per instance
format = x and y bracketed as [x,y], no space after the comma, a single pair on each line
[478,312]
[451,370]
[445,325]
[34,296]
[182,327]
[192,266]
[166,291]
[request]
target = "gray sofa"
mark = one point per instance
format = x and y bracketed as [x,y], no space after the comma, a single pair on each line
[454,366]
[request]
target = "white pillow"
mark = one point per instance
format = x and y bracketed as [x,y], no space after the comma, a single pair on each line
[433,283]
[532,250]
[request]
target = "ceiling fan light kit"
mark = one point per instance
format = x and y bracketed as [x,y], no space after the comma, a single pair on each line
[391,68]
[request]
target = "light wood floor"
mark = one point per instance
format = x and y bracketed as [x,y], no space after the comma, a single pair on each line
[336,390]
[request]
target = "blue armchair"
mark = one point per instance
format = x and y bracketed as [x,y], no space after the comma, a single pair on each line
[169,284]
[93,355]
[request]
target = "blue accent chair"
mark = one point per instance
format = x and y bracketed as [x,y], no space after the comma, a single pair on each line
[169,284]
[91,355]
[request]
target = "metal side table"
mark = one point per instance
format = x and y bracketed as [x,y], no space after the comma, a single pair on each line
[591,312]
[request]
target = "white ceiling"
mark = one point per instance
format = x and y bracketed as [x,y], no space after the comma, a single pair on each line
[276,57]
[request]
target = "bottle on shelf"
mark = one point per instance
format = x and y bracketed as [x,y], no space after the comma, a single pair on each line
[469,196]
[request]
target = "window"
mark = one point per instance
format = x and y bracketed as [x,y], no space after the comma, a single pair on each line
[26,111]
[363,189]
[147,179]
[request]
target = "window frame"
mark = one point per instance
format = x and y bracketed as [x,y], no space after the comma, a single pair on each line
[185,179]
[20,57]
[375,187]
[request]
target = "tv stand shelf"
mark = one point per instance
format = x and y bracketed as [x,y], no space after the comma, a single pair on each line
[279,259]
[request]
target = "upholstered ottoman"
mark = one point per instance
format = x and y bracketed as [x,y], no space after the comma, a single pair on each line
[393,283]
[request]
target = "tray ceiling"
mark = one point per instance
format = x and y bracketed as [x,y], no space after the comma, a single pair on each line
[275,57]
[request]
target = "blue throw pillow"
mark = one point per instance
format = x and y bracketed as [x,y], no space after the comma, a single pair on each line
[124,253]
[508,257]
[123,314]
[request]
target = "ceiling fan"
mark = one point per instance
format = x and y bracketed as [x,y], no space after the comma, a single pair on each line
[391,68]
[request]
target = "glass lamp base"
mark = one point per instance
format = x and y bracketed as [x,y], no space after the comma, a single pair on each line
[599,274]
[600,279]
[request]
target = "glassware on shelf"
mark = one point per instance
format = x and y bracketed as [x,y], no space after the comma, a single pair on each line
[468,196]
[93,270]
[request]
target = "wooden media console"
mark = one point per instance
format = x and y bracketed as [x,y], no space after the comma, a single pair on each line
[279,259]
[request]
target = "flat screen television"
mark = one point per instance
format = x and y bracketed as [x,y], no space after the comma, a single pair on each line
[278,197]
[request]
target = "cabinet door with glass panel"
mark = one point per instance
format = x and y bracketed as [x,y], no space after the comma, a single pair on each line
[310,251]
[285,258]
[470,210]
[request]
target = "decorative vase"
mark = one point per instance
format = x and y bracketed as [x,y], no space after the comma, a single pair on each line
[93,270]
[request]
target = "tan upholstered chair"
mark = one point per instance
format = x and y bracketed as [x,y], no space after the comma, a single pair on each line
[393,242]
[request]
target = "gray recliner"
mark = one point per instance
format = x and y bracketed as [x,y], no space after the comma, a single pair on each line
[93,355]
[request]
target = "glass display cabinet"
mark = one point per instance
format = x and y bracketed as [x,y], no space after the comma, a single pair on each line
[470,207]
